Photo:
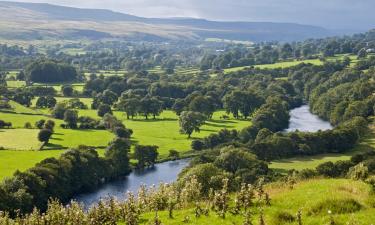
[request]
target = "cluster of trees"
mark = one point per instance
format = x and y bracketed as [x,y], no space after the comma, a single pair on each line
[237,165]
[146,155]
[269,53]
[134,105]
[46,131]
[273,115]
[47,71]
[244,102]
[359,167]
[75,171]
[335,93]
[46,102]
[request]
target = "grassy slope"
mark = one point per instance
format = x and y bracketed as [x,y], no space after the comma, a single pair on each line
[304,196]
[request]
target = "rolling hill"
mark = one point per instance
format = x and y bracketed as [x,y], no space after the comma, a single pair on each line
[39,21]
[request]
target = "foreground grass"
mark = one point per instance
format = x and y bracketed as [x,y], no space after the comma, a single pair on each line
[312,197]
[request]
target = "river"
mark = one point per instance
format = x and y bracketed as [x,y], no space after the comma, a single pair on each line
[303,120]
[300,118]
[163,172]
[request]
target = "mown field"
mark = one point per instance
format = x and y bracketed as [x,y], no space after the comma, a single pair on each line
[314,198]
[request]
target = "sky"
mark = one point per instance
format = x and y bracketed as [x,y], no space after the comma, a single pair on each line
[332,14]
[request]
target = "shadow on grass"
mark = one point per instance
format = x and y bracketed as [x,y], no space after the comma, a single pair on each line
[222,121]
[359,148]
[51,146]
[151,120]
[219,125]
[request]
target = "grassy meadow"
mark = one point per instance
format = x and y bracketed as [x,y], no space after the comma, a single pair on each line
[287,64]
[22,147]
[313,197]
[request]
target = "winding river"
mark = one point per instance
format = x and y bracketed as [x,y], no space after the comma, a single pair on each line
[300,118]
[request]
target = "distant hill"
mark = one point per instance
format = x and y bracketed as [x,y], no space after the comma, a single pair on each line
[29,21]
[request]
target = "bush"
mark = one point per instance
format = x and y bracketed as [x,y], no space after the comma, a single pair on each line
[28,125]
[327,169]
[197,145]
[122,132]
[282,217]
[104,109]
[307,174]
[336,206]
[358,172]
[174,154]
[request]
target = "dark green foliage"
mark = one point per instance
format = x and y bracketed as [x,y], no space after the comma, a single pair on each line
[23,97]
[122,132]
[42,91]
[146,155]
[45,71]
[39,124]
[117,153]
[44,136]
[71,118]
[59,110]
[67,90]
[61,178]
[104,109]
[190,122]
[274,115]
[244,102]
[50,125]
[46,102]
[197,145]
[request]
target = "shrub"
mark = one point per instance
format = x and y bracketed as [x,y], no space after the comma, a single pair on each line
[28,125]
[336,206]
[197,145]
[122,132]
[104,109]
[283,217]
[307,174]
[174,154]
[358,172]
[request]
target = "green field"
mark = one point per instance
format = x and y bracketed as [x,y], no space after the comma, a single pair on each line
[287,64]
[311,197]
[164,131]
[76,86]
[10,161]
[86,101]
[16,83]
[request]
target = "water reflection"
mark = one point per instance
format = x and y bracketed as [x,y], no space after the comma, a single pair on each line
[164,172]
[303,120]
